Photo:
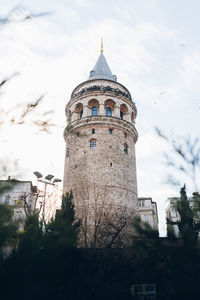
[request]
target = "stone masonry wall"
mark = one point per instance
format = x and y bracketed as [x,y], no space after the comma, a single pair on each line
[107,165]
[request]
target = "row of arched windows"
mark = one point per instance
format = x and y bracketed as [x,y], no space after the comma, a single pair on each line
[109,109]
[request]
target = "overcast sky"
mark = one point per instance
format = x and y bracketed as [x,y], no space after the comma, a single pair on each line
[151,45]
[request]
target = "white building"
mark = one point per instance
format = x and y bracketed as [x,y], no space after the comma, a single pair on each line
[148,212]
[15,195]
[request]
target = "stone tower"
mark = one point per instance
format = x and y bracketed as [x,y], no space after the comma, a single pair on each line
[100,140]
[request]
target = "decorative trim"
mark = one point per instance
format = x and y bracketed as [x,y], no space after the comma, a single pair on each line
[102,89]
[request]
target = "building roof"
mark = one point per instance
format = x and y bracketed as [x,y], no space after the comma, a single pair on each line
[101,70]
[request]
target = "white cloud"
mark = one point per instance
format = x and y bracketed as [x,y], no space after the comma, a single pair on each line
[83,3]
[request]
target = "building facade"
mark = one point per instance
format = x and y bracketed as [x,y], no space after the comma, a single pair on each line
[100,139]
[18,194]
[100,164]
[148,212]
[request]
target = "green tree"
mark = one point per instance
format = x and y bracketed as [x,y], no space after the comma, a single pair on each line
[188,225]
[62,231]
[8,227]
[143,229]
[32,235]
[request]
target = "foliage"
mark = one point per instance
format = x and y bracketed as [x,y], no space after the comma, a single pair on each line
[188,226]
[143,229]
[48,265]
[8,228]
[62,231]
[30,239]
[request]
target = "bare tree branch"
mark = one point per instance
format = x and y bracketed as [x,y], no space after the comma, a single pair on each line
[185,159]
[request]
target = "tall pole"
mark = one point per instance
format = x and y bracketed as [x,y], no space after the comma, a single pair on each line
[44,202]
[45,192]
[48,177]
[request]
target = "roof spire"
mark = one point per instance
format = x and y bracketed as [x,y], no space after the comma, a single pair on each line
[101,45]
[101,69]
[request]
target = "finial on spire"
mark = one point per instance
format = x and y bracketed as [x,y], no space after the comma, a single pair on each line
[101,45]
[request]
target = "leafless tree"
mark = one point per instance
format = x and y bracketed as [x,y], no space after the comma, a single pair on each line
[30,208]
[184,160]
[20,14]
[103,223]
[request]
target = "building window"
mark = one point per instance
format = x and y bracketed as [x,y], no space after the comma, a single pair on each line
[94,111]
[79,109]
[110,164]
[78,134]
[144,291]
[93,144]
[125,135]
[125,149]
[93,131]
[121,115]
[108,112]
[146,218]
[110,131]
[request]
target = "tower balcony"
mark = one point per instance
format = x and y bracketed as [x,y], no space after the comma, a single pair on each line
[109,121]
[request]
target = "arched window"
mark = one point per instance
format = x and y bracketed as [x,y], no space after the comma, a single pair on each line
[79,109]
[93,131]
[123,110]
[94,111]
[125,148]
[108,112]
[93,144]
[110,131]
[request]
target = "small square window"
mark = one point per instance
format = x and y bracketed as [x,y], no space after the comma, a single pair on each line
[125,149]
[93,144]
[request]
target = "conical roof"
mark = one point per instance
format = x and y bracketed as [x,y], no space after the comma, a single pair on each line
[101,70]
